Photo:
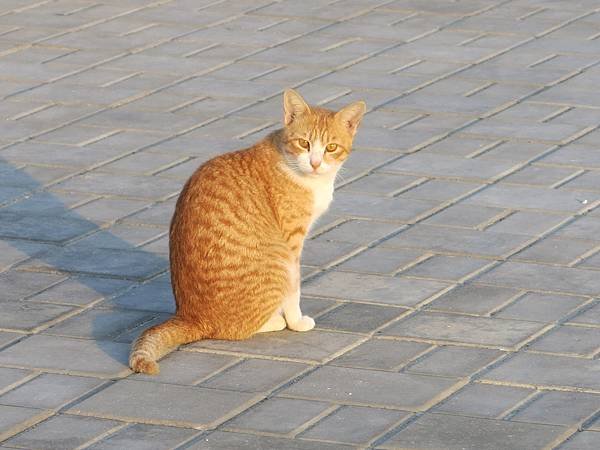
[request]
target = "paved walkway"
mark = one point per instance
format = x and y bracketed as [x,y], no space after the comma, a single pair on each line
[453,281]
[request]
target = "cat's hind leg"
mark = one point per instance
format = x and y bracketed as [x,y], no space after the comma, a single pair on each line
[275,323]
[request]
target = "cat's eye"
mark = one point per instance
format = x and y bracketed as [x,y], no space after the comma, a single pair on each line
[332,147]
[304,143]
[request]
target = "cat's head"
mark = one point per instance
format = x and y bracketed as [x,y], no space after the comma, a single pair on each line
[317,141]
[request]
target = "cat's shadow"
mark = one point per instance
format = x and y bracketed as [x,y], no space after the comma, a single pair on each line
[28,214]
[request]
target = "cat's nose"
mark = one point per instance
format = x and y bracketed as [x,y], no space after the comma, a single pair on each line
[315,163]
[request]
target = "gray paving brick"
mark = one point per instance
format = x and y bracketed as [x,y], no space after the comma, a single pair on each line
[11,254]
[25,178]
[165,403]
[527,223]
[156,295]
[99,323]
[9,376]
[44,228]
[590,316]
[143,163]
[568,95]
[389,290]
[559,408]
[255,375]
[159,214]
[130,264]
[48,204]
[62,431]
[483,400]
[593,262]
[27,316]
[315,346]
[381,354]
[144,437]
[583,440]
[382,208]
[441,190]
[354,424]
[222,440]
[144,187]
[367,387]
[541,307]
[518,197]
[187,368]
[57,154]
[571,340]
[381,260]
[555,250]
[359,231]
[433,431]
[10,194]
[459,145]
[547,370]
[357,317]
[585,227]
[7,337]
[594,425]
[528,111]
[45,176]
[80,290]
[141,120]
[454,361]
[278,415]
[467,329]
[585,182]
[495,127]
[539,175]
[381,184]
[100,358]
[535,276]
[448,103]
[319,253]
[120,237]
[17,285]
[441,165]
[464,216]
[49,391]
[454,240]
[109,209]
[158,246]
[14,419]
[446,267]
[473,299]
[75,134]
[315,306]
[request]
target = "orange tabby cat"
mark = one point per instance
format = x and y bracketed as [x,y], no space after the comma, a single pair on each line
[238,230]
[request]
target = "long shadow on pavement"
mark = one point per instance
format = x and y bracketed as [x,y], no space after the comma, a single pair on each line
[57,266]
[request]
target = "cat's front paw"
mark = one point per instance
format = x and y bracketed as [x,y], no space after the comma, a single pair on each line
[304,324]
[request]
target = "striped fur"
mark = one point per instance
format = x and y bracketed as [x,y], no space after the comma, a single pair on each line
[238,229]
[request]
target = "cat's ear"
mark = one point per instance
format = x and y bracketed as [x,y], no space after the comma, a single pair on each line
[293,106]
[351,115]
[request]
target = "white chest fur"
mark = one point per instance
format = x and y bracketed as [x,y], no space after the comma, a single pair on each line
[322,190]
[321,187]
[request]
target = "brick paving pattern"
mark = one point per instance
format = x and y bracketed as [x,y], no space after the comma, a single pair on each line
[454,280]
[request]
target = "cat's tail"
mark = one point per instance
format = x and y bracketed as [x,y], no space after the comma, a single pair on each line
[159,340]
